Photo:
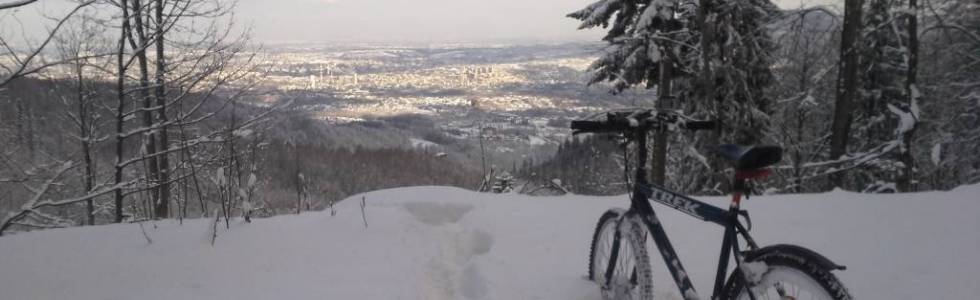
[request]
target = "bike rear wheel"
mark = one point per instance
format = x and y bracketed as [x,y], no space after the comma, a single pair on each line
[621,242]
[787,276]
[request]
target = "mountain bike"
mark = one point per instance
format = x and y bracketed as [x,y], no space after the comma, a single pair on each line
[619,261]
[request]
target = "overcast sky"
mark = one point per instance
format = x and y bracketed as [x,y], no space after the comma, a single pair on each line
[424,21]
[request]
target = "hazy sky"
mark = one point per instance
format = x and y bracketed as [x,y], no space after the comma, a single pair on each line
[424,21]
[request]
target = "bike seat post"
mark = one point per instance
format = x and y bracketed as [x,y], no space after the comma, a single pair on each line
[738,186]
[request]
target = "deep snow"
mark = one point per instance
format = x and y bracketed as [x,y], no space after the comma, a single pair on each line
[448,243]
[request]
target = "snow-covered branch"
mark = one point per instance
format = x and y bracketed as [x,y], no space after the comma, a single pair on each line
[39,193]
[16,3]
[22,67]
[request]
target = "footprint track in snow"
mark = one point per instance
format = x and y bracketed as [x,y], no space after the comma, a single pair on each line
[452,273]
[434,213]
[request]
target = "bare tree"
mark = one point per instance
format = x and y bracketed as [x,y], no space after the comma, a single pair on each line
[200,67]
[808,37]
[139,42]
[206,61]
[847,82]
[950,62]
[74,44]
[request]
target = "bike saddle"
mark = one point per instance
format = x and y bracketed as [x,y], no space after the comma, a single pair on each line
[751,157]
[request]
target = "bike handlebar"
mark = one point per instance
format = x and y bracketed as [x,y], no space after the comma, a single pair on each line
[699,125]
[621,122]
[598,126]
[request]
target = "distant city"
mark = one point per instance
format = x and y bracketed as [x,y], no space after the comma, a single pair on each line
[516,97]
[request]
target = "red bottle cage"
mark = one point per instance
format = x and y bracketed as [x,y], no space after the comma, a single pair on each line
[752,174]
[741,176]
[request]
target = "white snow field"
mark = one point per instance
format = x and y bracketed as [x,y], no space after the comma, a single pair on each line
[448,243]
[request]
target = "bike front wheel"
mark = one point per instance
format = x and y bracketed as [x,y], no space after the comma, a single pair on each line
[786,276]
[620,243]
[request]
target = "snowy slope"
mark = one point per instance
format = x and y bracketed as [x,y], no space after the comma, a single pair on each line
[447,243]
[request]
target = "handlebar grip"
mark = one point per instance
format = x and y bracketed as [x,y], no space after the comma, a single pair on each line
[599,126]
[700,125]
[588,125]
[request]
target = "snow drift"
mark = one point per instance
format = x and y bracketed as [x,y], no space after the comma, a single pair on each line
[448,243]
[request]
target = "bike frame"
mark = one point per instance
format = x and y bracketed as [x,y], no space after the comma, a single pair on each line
[640,207]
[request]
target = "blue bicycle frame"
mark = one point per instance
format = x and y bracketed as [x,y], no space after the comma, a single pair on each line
[644,191]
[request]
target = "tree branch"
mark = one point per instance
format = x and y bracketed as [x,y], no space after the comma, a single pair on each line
[17,3]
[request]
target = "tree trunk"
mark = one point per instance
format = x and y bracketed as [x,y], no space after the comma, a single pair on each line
[709,101]
[163,204]
[190,163]
[25,125]
[140,43]
[906,182]
[298,179]
[86,136]
[847,84]
[232,176]
[120,113]
[801,111]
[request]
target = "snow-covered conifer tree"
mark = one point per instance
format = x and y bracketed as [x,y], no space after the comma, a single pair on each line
[641,36]
[884,112]
[737,52]
[718,54]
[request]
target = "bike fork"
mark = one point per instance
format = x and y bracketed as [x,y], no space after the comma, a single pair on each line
[611,267]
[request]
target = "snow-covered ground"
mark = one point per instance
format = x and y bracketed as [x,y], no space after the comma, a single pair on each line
[422,144]
[447,243]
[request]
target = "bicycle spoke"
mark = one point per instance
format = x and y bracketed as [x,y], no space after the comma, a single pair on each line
[787,284]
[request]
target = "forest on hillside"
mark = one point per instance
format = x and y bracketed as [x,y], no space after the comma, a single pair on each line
[138,110]
[881,97]
[134,110]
